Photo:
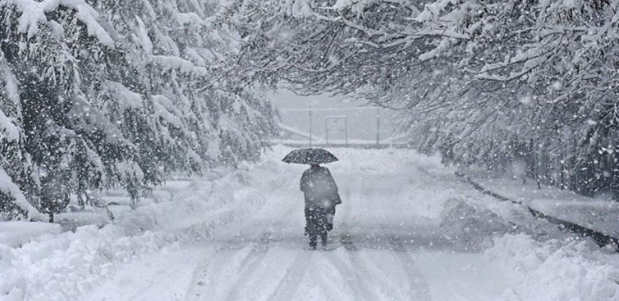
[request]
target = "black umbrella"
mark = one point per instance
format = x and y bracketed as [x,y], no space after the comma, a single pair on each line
[310,156]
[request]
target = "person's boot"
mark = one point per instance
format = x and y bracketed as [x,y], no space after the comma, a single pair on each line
[313,242]
[323,238]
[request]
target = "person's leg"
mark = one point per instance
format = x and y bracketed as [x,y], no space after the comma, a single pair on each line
[322,224]
[328,225]
[308,219]
[330,216]
[313,241]
[311,227]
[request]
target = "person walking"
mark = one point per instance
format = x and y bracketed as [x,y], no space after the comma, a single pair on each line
[320,191]
[321,197]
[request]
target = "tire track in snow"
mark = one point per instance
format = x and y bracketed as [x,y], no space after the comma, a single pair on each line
[253,261]
[225,253]
[350,277]
[419,289]
[288,286]
[351,274]
[216,270]
[329,289]
[356,273]
[250,264]
[458,288]
[198,283]
[417,284]
[205,276]
[345,237]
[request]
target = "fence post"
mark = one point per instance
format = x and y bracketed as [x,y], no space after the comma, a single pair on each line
[346,131]
[377,126]
[326,131]
[310,125]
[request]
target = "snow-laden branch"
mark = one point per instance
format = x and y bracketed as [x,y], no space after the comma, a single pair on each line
[8,130]
[9,188]
[399,38]
[175,63]
[33,13]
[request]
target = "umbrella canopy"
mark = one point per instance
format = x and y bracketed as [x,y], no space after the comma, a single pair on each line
[310,156]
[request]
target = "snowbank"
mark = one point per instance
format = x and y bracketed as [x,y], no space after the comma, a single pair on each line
[470,225]
[544,263]
[63,266]
[70,221]
[556,270]
[71,263]
[15,234]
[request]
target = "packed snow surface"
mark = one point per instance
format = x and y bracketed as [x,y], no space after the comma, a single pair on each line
[408,229]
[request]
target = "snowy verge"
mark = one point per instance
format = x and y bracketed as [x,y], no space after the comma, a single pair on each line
[15,234]
[555,271]
[474,221]
[63,266]
[598,214]
[585,216]
[71,263]
[543,262]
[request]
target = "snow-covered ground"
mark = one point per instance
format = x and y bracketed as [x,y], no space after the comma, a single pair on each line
[408,229]
[599,214]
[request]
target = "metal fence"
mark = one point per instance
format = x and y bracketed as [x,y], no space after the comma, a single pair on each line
[349,126]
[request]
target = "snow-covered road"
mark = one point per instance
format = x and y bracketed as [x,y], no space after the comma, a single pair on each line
[387,245]
[408,229]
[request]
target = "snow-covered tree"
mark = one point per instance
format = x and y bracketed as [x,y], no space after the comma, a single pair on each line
[98,94]
[486,82]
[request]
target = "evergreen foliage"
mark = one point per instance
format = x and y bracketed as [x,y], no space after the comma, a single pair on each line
[97,94]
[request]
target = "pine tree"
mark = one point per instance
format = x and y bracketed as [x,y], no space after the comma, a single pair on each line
[99,94]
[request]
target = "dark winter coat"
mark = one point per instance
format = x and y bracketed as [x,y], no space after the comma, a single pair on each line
[319,187]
